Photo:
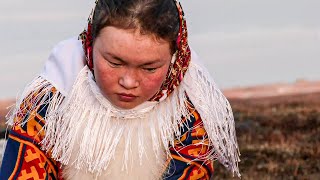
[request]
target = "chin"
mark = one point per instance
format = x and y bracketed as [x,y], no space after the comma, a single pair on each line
[122,104]
[126,105]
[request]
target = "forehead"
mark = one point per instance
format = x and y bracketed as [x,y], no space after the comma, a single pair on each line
[131,45]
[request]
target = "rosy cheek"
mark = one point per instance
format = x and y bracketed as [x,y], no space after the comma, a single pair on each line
[104,77]
[153,83]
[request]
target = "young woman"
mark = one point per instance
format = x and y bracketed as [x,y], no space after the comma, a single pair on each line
[135,104]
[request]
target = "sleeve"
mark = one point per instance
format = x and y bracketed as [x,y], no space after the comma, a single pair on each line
[189,154]
[23,157]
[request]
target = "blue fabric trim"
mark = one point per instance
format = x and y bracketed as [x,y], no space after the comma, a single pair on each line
[10,158]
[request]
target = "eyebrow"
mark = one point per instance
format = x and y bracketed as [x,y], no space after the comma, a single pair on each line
[123,61]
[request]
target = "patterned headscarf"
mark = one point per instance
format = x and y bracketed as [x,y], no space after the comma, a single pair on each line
[176,70]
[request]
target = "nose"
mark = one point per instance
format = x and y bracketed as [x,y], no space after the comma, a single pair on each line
[129,79]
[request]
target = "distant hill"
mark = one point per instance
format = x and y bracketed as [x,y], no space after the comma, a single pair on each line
[273,90]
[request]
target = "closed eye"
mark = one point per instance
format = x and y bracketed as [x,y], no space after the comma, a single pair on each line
[150,69]
[113,64]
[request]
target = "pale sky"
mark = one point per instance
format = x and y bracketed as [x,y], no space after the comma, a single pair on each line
[242,42]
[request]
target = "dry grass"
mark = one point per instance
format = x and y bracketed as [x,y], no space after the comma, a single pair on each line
[279,138]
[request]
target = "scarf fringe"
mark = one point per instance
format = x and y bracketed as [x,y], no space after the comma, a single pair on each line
[101,125]
[216,114]
[88,111]
[38,93]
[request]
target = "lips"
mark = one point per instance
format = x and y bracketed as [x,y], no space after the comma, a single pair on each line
[126,97]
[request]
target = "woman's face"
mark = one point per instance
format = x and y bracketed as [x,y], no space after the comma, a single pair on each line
[129,67]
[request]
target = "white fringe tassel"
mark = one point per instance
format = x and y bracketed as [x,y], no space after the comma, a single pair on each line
[216,114]
[39,92]
[102,125]
[87,113]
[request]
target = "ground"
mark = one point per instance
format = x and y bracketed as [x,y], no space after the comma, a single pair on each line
[279,137]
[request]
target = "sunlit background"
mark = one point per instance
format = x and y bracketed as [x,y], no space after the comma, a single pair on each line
[243,42]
